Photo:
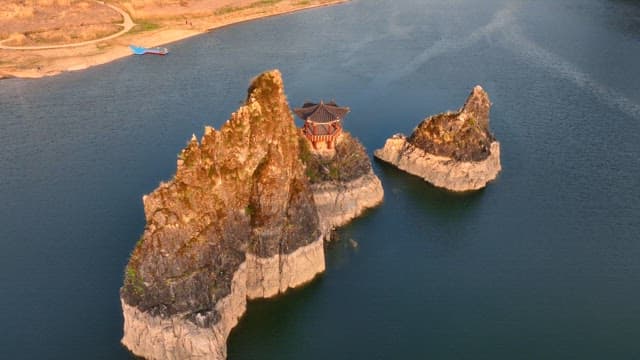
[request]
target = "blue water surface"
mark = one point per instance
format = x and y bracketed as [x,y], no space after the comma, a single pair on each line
[543,263]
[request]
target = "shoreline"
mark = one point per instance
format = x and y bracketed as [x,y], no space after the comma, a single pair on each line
[280,13]
[74,58]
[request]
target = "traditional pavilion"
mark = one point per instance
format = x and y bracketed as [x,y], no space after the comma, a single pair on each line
[322,122]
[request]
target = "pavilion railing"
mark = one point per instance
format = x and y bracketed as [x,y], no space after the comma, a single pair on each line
[321,138]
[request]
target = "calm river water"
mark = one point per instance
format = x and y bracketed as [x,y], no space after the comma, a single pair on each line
[543,264]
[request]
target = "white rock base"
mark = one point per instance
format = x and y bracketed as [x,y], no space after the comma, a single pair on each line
[441,171]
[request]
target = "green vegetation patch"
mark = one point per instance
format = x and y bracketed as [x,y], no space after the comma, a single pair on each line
[144,26]
[260,3]
[264,3]
[133,281]
[227,9]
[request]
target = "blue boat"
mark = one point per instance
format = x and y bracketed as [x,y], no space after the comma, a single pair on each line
[138,50]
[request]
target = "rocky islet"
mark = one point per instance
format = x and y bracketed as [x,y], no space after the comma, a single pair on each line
[238,221]
[250,206]
[452,150]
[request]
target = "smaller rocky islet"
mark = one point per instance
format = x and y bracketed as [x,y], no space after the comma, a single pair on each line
[452,150]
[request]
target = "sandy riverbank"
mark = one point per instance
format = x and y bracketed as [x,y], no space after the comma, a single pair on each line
[41,63]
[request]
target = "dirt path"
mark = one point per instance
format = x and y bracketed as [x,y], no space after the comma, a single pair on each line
[39,61]
[127,24]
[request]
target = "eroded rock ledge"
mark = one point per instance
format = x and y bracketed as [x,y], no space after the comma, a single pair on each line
[175,337]
[340,202]
[453,150]
[342,182]
[238,221]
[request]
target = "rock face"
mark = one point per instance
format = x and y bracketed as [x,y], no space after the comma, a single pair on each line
[190,335]
[455,151]
[238,221]
[343,182]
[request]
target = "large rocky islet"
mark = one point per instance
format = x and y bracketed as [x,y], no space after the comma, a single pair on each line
[244,217]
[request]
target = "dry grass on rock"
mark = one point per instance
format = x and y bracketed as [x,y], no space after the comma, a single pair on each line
[349,162]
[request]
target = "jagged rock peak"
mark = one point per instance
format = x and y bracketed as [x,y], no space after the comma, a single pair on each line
[478,106]
[463,135]
[239,220]
[240,190]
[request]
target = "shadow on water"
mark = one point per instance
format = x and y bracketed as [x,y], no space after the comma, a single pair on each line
[423,196]
[276,314]
[442,223]
[346,240]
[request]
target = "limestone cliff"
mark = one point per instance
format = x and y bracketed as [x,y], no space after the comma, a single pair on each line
[455,151]
[343,182]
[239,214]
[238,221]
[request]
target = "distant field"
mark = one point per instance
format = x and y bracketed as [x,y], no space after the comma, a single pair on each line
[41,22]
[51,22]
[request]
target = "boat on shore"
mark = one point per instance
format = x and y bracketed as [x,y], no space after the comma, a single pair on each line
[138,50]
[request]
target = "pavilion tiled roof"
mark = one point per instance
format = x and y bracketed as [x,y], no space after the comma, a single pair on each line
[321,113]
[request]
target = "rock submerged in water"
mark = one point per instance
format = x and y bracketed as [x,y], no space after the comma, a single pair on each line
[238,221]
[453,150]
